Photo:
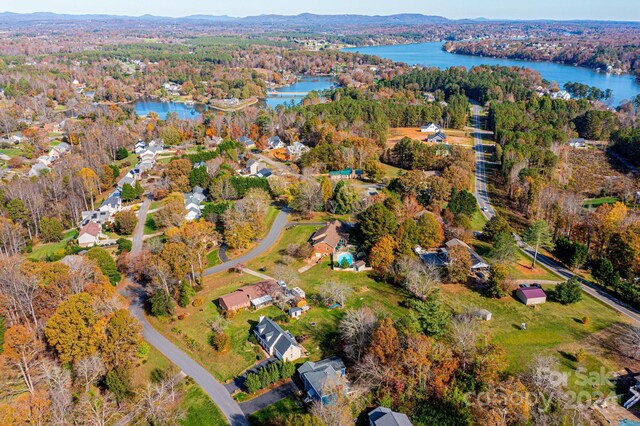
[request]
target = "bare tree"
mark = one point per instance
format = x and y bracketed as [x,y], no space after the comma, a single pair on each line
[422,278]
[58,383]
[355,330]
[545,380]
[158,403]
[335,292]
[99,409]
[88,370]
[629,341]
[464,337]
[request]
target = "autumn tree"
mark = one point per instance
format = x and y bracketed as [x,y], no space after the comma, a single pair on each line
[429,230]
[173,212]
[459,263]
[125,222]
[121,339]
[50,229]
[177,172]
[381,255]
[74,330]
[23,350]
[384,342]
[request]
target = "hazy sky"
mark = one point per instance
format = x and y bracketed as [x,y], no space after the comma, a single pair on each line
[628,10]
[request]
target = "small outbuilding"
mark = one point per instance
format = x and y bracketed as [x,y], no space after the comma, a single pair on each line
[295,312]
[531,294]
[484,315]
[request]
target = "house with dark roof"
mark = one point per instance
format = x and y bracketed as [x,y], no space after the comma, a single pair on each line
[531,294]
[329,238]
[276,341]
[248,143]
[383,416]
[323,380]
[274,142]
[437,137]
[477,262]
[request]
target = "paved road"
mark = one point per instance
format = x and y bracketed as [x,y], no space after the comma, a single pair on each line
[278,225]
[268,398]
[138,232]
[202,377]
[482,195]
[485,204]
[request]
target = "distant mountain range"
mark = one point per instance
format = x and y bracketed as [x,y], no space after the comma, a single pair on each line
[304,19]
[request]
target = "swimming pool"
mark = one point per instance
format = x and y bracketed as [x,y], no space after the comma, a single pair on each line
[345,256]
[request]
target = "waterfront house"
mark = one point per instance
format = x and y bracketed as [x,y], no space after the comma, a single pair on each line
[324,380]
[276,341]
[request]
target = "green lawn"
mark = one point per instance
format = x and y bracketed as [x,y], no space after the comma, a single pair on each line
[596,202]
[478,221]
[521,268]
[551,327]
[150,226]
[212,258]
[390,171]
[43,251]
[11,152]
[283,407]
[132,159]
[200,410]
[294,235]
[155,204]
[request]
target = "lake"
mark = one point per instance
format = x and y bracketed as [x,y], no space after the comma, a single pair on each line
[624,87]
[281,96]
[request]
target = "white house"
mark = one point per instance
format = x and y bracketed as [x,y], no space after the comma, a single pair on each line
[89,234]
[275,142]
[296,149]
[430,128]
[277,342]
[253,167]
[562,94]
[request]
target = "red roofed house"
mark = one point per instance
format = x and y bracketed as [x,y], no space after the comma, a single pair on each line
[329,238]
[531,294]
[89,234]
[256,295]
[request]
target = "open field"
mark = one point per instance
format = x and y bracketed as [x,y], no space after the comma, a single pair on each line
[551,328]
[454,136]
[521,268]
[589,171]
[597,202]
[43,251]
[200,410]
[285,406]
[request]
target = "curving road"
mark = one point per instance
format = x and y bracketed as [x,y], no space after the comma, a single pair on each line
[279,224]
[216,391]
[482,196]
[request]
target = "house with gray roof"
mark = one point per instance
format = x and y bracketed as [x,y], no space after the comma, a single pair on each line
[383,416]
[276,341]
[274,142]
[323,379]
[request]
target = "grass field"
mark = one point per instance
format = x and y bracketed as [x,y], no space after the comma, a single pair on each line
[551,327]
[43,251]
[596,202]
[521,268]
[285,406]
[212,258]
[200,410]
[295,235]
[150,226]
[478,221]
[11,152]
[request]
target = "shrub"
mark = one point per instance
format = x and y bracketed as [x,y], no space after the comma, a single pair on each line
[197,302]
[125,222]
[121,153]
[220,341]
[586,320]
[265,379]
[143,350]
[50,230]
[161,304]
[568,292]
[124,245]
[106,263]
[287,369]
[581,355]
[186,294]
[118,382]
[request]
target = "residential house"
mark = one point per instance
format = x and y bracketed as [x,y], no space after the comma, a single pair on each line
[295,150]
[38,169]
[89,234]
[129,178]
[140,147]
[98,216]
[276,341]
[577,143]
[383,416]
[329,238]
[346,174]
[248,143]
[274,142]
[250,295]
[193,203]
[253,166]
[264,173]
[562,94]
[113,204]
[213,141]
[437,137]
[45,160]
[324,379]
[531,294]
[477,262]
[52,127]
[430,127]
